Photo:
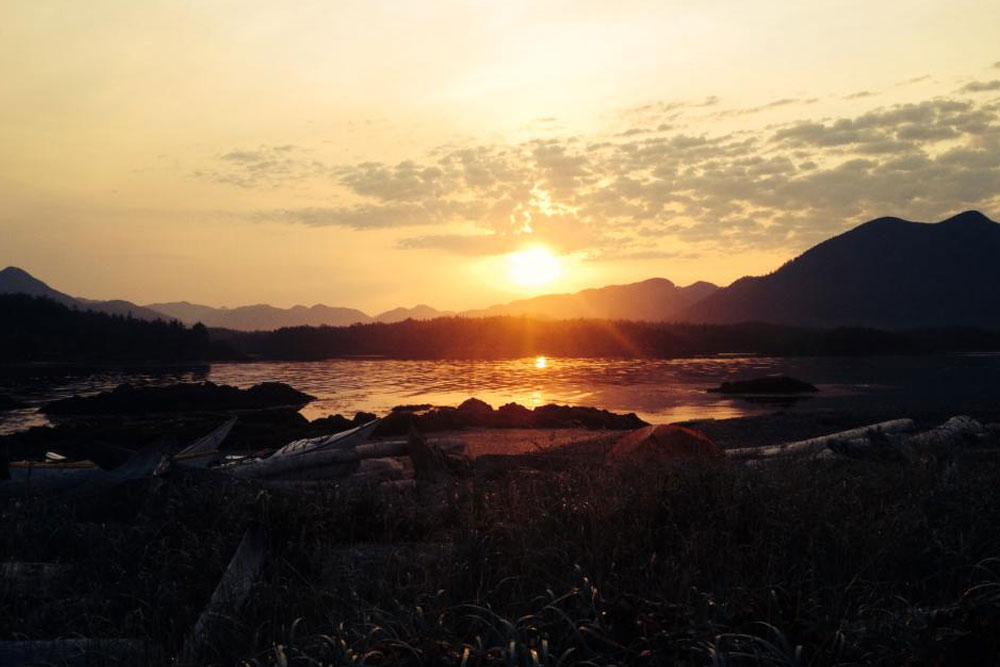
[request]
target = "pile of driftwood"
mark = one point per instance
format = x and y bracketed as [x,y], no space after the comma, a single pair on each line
[385,464]
[895,440]
[346,458]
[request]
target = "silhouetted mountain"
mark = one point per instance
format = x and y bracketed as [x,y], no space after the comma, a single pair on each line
[18,281]
[261,317]
[267,318]
[421,312]
[887,273]
[654,300]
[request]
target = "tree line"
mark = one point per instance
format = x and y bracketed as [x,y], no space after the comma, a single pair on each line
[37,329]
[511,337]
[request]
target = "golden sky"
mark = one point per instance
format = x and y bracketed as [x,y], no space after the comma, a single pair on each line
[375,154]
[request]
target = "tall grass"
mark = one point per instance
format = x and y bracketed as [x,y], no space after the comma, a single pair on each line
[792,564]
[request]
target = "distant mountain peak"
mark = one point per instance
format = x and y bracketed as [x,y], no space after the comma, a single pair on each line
[16,275]
[12,271]
[14,280]
[968,218]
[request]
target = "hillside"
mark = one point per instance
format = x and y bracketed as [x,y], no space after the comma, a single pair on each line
[887,273]
[18,281]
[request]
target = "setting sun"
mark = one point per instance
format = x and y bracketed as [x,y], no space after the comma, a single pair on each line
[533,267]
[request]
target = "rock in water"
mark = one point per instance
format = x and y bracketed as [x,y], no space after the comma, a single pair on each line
[772,384]
[185,397]
[666,442]
[475,410]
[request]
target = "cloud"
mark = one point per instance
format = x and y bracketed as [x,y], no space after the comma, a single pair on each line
[405,181]
[980,86]
[657,191]
[264,166]
[916,79]
[784,102]
[860,95]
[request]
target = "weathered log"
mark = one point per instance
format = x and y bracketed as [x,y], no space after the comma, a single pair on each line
[814,446]
[77,652]
[282,467]
[232,590]
[32,580]
[954,432]
[289,467]
[875,446]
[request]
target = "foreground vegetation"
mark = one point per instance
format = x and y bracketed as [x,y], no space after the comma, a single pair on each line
[551,562]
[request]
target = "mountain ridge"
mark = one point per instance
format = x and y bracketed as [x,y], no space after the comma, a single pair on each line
[653,299]
[15,280]
[887,272]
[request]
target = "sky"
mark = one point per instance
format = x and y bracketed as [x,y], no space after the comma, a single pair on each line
[381,153]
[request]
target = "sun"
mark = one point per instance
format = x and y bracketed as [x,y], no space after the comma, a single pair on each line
[533,267]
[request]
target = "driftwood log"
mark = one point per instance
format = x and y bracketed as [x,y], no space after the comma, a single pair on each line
[230,594]
[815,446]
[336,463]
[888,441]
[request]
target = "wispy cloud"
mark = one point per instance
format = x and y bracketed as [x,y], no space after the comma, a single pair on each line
[980,86]
[264,166]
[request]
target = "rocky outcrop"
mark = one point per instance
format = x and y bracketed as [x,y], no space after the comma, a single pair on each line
[474,413]
[186,397]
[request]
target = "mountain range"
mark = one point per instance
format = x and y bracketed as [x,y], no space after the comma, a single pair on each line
[263,317]
[655,299]
[887,273]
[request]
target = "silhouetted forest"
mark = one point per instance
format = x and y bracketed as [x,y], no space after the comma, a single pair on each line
[508,337]
[37,329]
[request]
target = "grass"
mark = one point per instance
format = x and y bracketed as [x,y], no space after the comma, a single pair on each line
[792,564]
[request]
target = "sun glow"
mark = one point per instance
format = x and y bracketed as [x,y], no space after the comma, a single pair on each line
[541,362]
[533,267]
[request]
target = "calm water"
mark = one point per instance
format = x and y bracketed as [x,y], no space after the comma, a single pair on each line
[657,390]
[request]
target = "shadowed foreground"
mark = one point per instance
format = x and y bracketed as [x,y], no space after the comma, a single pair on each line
[546,560]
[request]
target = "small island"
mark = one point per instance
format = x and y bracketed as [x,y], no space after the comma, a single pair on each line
[772,384]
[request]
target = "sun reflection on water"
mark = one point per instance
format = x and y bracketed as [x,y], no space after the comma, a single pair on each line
[541,362]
